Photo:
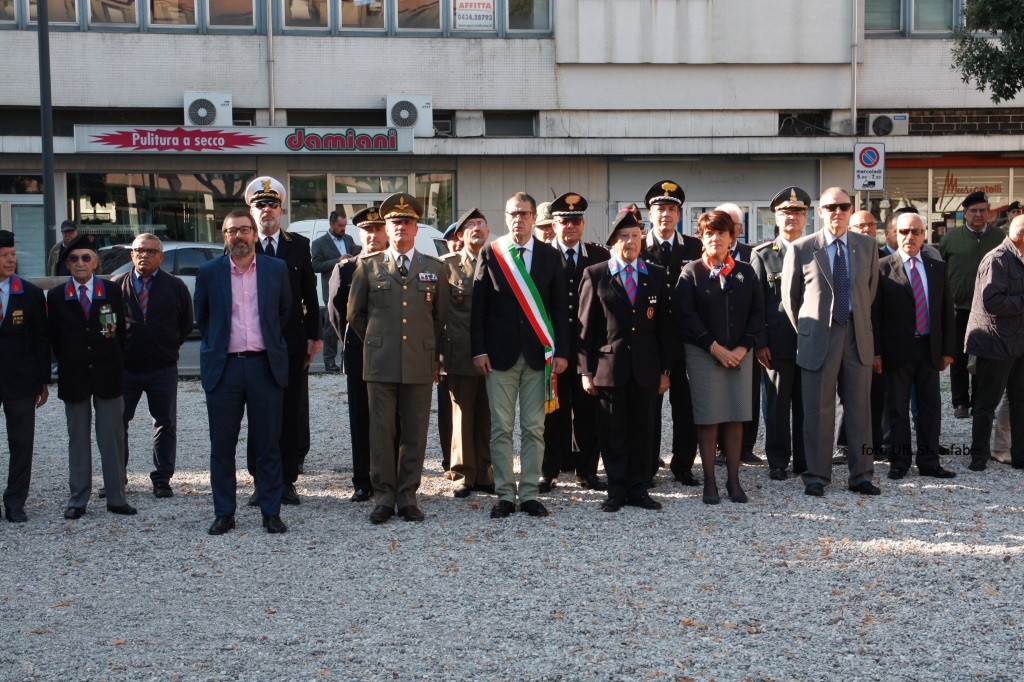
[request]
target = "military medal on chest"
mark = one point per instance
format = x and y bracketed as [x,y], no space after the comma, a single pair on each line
[108,321]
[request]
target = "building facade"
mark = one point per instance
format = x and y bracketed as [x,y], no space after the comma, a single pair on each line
[157,104]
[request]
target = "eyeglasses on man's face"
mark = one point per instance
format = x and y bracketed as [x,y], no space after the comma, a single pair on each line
[267,203]
[232,231]
[831,208]
[85,258]
[518,214]
[140,251]
[916,231]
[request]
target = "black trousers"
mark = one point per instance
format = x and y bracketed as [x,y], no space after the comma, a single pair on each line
[917,375]
[684,432]
[625,427]
[444,422]
[21,429]
[294,440]
[570,435]
[963,386]
[782,397]
[995,377]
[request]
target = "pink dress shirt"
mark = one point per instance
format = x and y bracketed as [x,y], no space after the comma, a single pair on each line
[246,334]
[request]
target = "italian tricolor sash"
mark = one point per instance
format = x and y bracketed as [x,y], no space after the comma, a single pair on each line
[512,265]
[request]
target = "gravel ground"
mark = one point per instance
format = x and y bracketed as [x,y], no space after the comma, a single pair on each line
[916,584]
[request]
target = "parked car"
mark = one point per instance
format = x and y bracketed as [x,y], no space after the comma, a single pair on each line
[428,239]
[181,259]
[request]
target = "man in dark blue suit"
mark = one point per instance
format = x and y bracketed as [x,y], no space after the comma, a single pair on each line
[242,302]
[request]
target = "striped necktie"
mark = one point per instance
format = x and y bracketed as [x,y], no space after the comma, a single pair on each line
[630,285]
[83,299]
[841,282]
[920,302]
[144,294]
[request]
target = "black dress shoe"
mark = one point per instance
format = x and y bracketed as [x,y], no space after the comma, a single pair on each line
[361,495]
[977,465]
[289,495]
[381,514]
[533,508]
[591,483]
[644,501]
[462,490]
[814,490]
[866,488]
[486,488]
[16,515]
[750,459]
[897,472]
[687,478]
[254,499]
[711,496]
[221,525]
[101,493]
[545,484]
[651,484]
[274,524]
[611,505]
[122,509]
[777,474]
[332,368]
[503,509]
[411,513]
[73,513]
[936,472]
[162,490]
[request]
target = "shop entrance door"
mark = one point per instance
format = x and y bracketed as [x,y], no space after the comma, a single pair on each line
[23,215]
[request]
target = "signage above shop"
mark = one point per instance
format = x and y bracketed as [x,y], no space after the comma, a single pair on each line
[221,140]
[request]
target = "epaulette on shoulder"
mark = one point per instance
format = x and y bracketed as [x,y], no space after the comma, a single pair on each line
[449,255]
[363,255]
[764,246]
[433,258]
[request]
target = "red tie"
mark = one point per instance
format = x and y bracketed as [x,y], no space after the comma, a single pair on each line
[144,294]
[83,298]
[630,285]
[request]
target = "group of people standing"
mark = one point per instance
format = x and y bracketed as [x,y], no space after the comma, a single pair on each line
[581,340]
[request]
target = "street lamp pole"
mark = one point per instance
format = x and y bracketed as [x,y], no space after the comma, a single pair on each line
[46,125]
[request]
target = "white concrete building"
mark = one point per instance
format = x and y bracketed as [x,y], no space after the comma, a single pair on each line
[734,99]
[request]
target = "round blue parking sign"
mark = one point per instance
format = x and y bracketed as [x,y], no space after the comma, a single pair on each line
[869,157]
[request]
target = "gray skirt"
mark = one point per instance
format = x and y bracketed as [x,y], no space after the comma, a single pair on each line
[720,394]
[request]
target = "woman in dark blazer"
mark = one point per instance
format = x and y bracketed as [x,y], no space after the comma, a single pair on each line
[720,309]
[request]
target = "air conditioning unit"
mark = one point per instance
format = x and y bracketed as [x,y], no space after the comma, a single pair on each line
[208,109]
[886,125]
[411,111]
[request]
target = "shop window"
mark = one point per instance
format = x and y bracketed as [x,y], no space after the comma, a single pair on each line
[172,12]
[371,184]
[904,17]
[434,190]
[307,197]
[112,12]
[424,15]
[21,184]
[232,12]
[529,15]
[60,11]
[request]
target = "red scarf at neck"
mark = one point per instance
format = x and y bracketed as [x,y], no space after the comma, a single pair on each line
[720,270]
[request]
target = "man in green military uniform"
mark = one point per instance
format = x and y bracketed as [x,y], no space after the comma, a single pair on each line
[397,305]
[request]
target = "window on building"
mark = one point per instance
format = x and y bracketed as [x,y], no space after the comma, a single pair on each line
[232,12]
[529,15]
[905,17]
[424,15]
[59,11]
[307,197]
[510,123]
[7,11]
[306,13]
[362,14]
[112,12]
[172,12]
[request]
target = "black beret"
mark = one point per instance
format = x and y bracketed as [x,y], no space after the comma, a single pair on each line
[974,198]
[82,241]
[6,239]
[1014,206]
[623,220]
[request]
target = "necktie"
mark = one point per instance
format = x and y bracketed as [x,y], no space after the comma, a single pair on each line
[630,285]
[1,311]
[269,248]
[83,298]
[920,302]
[403,269]
[522,253]
[570,259]
[144,294]
[841,284]
[666,251]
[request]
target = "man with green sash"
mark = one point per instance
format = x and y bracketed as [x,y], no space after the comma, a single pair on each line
[519,337]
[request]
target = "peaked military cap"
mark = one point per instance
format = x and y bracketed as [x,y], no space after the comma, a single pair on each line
[791,199]
[665,192]
[401,205]
[264,187]
[368,217]
[569,205]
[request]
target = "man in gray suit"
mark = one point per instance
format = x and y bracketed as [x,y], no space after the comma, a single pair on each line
[328,250]
[829,281]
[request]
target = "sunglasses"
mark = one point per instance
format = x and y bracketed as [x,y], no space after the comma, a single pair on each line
[843,208]
[85,258]
[917,231]
[267,203]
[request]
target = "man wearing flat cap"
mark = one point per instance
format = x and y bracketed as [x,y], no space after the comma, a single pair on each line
[373,240]
[625,359]
[963,248]
[266,197]
[467,389]
[672,250]
[397,305]
[781,380]
[570,432]
[87,333]
[24,372]
[55,265]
